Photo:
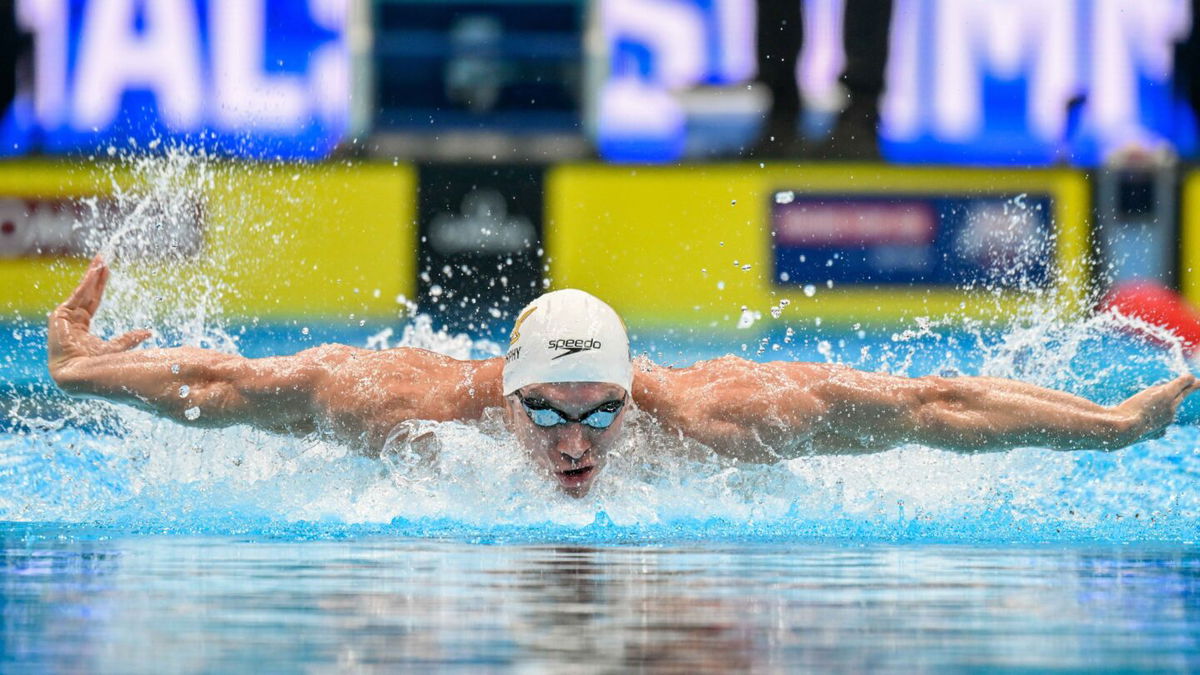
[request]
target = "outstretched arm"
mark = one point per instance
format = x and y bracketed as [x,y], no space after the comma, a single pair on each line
[981,414]
[768,411]
[355,394]
[191,385]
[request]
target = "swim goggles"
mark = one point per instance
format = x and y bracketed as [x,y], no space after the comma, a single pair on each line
[546,415]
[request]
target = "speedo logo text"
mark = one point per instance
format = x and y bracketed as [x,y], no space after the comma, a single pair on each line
[572,346]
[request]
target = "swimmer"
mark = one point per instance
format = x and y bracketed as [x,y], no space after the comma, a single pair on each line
[567,384]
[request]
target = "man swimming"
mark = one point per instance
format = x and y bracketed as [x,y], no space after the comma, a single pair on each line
[567,383]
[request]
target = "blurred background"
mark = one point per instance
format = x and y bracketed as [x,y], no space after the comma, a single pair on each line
[714,163]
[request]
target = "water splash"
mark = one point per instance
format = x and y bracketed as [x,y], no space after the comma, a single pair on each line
[117,467]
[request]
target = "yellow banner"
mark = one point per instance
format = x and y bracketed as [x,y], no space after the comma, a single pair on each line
[278,240]
[666,245]
[1189,238]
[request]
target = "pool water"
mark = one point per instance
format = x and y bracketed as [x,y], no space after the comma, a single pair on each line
[132,544]
[76,600]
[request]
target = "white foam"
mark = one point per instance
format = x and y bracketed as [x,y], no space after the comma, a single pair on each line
[156,471]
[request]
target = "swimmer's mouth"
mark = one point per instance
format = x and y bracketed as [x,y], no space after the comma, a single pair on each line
[575,478]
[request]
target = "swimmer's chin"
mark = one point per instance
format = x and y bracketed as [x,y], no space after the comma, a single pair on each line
[576,492]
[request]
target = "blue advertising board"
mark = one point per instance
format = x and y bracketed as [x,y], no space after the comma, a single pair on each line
[255,78]
[995,242]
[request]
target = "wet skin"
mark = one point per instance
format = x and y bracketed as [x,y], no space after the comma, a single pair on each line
[759,412]
[572,454]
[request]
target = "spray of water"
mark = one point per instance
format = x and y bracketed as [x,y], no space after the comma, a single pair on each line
[95,463]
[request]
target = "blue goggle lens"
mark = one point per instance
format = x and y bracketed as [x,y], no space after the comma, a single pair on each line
[546,416]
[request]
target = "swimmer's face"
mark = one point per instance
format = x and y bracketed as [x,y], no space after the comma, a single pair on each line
[572,453]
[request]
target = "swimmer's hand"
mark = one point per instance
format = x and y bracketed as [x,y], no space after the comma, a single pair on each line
[1152,410]
[70,340]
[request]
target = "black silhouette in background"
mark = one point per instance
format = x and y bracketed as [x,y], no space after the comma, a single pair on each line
[1187,65]
[865,39]
[12,45]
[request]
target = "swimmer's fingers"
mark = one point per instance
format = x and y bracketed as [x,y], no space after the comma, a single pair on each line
[1154,408]
[1175,391]
[1191,384]
[81,306]
[1171,397]
[123,343]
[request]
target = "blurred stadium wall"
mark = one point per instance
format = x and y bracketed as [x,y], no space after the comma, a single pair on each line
[467,155]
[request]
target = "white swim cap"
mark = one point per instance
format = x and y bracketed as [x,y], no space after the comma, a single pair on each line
[567,336]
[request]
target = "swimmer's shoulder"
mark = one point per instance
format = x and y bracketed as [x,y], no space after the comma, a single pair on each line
[340,356]
[374,390]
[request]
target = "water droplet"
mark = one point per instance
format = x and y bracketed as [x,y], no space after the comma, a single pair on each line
[784,302]
[733,202]
[304,330]
[785,277]
[192,413]
[183,391]
[175,368]
[435,290]
[810,290]
[720,285]
[785,197]
[746,267]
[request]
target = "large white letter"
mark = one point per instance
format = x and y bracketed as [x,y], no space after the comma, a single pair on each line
[247,97]
[164,58]
[1001,37]
[1128,37]
[47,19]
[329,74]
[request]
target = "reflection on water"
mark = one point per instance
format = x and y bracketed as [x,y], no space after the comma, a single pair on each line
[149,604]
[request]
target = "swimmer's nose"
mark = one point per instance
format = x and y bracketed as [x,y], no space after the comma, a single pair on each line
[573,446]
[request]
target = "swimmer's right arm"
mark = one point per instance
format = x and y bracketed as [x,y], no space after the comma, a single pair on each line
[355,394]
[219,389]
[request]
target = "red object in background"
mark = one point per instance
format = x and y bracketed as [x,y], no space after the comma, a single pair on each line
[1158,305]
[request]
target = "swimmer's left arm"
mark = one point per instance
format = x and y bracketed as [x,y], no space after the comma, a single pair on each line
[982,414]
[766,412]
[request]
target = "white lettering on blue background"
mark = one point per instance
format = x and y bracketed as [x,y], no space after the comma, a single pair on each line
[967,80]
[202,69]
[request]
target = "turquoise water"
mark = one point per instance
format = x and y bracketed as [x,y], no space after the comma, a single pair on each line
[134,545]
[75,601]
